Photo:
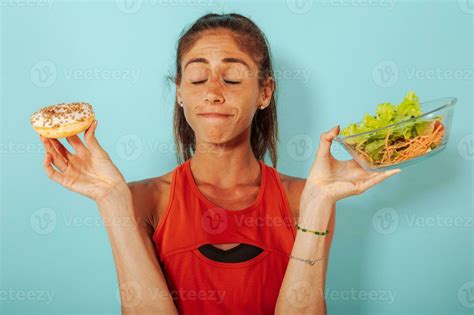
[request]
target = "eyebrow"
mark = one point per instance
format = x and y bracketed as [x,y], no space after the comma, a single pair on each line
[225,60]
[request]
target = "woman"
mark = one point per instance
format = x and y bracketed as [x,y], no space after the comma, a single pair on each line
[225,121]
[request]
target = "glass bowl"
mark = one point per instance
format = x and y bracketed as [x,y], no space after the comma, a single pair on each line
[391,147]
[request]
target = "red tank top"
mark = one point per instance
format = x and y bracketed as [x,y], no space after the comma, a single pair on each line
[200,285]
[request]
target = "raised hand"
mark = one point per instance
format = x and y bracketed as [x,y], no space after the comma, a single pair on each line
[89,171]
[332,179]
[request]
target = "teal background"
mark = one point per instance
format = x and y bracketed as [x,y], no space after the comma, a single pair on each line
[394,239]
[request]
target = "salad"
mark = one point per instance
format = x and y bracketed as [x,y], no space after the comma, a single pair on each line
[409,137]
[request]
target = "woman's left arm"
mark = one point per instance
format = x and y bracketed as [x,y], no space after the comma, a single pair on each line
[303,287]
[302,290]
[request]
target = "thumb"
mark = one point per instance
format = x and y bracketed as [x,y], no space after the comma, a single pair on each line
[325,142]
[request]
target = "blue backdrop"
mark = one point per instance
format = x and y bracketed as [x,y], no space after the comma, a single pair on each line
[405,246]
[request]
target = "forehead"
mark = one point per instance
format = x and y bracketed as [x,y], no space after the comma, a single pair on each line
[216,47]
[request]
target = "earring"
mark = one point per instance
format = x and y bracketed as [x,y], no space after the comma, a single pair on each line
[262,107]
[181,104]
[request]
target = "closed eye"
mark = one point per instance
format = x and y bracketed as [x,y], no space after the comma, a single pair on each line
[231,82]
[226,81]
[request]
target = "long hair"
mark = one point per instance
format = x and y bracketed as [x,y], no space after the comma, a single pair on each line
[251,40]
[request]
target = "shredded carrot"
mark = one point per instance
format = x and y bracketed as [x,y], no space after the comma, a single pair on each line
[403,149]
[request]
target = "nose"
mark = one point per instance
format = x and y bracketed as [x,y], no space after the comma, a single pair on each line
[214,92]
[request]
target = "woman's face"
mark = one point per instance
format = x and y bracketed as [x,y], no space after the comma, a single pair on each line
[217,77]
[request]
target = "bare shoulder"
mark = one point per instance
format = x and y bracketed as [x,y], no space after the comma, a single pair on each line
[150,196]
[293,187]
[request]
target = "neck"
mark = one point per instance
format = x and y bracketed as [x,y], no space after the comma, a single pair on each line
[226,165]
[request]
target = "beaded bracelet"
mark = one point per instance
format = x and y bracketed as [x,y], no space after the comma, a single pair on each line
[306,230]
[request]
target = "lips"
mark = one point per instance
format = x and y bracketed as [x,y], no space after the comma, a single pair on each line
[215,115]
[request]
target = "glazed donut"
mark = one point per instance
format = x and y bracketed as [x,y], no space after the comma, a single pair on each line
[62,120]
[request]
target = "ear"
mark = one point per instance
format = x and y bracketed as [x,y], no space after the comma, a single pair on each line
[266,92]
[178,94]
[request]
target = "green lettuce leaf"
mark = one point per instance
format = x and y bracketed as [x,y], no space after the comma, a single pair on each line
[388,114]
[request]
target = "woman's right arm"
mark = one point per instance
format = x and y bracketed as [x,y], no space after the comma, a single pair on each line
[143,288]
[90,172]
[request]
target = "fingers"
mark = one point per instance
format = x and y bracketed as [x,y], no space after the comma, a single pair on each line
[61,149]
[76,144]
[325,142]
[90,139]
[50,171]
[59,161]
[377,178]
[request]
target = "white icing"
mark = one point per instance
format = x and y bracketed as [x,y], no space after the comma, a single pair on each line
[58,114]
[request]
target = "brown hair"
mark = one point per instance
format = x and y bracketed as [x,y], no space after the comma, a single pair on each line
[251,40]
